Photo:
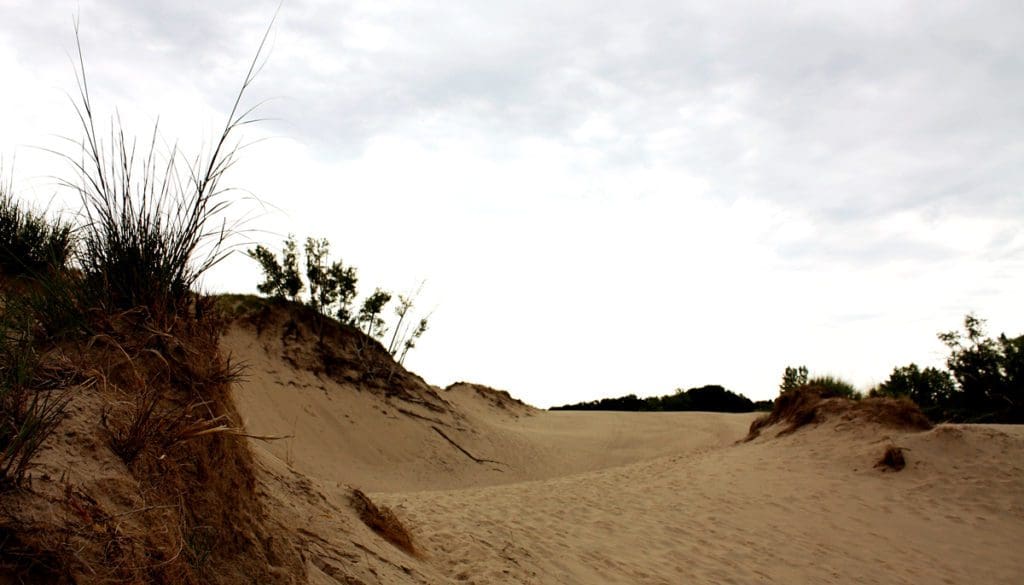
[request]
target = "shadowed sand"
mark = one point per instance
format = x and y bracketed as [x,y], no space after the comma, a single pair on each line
[494,491]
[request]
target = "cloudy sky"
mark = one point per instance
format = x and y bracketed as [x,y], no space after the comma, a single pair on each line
[603,197]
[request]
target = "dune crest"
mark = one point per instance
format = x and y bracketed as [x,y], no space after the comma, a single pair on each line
[606,497]
[361,473]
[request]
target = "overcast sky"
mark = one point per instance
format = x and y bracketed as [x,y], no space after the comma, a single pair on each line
[604,197]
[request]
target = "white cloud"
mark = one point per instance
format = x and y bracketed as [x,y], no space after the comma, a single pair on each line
[604,198]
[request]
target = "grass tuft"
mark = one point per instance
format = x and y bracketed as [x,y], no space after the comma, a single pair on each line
[833,387]
[811,404]
[892,459]
[29,411]
[150,226]
[31,245]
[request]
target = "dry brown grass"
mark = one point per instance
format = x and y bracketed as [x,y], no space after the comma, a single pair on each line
[383,521]
[178,504]
[892,459]
[809,404]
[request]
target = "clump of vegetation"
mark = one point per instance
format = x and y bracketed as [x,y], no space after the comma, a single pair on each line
[280,279]
[930,388]
[832,386]
[892,459]
[332,291]
[331,285]
[984,383]
[809,404]
[146,218]
[31,245]
[403,340]
[793,378]
[711,398]
[383,521]
[120,288]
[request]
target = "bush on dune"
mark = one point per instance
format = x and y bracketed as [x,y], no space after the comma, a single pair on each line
[818,398]
[832,386]
[332,291]
[810,404]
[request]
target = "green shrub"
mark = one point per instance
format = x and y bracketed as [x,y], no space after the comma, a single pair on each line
[793,378]
[369,314]
[833,387]
[280,279]
[332,288]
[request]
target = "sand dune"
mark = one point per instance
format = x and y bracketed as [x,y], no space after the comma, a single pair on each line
[497,492]
[336,431]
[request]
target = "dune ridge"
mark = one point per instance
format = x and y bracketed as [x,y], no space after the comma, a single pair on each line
[571,497]
[352,470]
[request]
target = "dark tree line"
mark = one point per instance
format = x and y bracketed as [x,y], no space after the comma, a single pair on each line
[711,398]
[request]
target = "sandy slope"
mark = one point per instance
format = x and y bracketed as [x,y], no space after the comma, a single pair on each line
[624,498]
[805,509]
[338,432]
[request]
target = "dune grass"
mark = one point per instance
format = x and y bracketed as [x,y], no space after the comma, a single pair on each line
[812,404]
[116,293]
[29,411]
[31,245]
[153,222]
[833,386]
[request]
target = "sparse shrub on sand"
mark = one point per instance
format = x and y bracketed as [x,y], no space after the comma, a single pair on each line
[332,291]
[892,459]
[811,404]
[802,398]
[281,279]
[332,287]
[831,386]
[793,378]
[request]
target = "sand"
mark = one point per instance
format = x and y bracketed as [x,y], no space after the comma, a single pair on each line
[494,491]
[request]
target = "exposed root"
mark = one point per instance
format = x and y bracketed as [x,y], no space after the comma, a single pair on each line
[467,453]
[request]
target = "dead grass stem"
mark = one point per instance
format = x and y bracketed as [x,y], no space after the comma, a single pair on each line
[383,521]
